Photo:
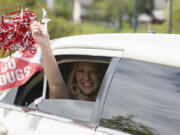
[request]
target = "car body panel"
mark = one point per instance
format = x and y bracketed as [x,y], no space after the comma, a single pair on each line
[20,123]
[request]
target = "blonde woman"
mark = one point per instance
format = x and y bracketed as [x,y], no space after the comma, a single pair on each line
[85,78]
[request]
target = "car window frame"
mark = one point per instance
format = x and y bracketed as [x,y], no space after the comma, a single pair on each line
[100,98]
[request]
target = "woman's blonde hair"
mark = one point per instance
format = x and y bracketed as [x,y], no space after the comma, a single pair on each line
[72,85]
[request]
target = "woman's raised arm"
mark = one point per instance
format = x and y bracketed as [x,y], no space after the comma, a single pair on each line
[58,88]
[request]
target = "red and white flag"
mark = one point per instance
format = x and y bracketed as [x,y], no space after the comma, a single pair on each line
[17,69]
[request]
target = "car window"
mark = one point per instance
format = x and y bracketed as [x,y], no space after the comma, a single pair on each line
[143,98]
[8,96]
[70,108]
[30,91]
[30,94]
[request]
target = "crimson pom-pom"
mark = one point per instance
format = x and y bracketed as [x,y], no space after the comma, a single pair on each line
[15,31]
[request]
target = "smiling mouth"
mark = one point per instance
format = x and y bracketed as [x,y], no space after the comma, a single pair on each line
[87,84]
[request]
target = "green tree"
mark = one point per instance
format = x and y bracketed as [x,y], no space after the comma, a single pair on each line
[63,8]
[10,5]
[119,10]
[111,10]
[176,16]
[145,6]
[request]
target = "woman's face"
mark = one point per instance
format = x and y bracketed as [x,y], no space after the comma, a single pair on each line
[87,77]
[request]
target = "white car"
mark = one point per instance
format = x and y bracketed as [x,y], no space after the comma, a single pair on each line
[139,95]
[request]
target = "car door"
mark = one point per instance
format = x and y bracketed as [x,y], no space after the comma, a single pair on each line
[17,122]
[44,117]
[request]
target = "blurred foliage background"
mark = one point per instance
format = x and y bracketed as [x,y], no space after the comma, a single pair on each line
[102,16]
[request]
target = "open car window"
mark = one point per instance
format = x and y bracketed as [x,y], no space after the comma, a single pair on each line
[29,93]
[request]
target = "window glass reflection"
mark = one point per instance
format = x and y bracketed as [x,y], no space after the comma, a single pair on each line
[148,92]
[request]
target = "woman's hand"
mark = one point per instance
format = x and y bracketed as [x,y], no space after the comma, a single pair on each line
[40,35]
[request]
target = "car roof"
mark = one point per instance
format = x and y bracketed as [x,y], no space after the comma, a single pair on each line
[155,48]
